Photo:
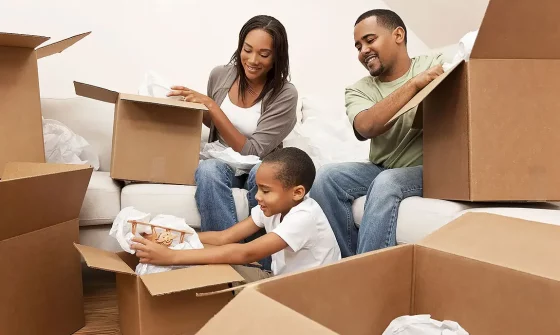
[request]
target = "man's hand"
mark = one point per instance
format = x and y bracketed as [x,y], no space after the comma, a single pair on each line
[423,79]
[190,95]
[152,253]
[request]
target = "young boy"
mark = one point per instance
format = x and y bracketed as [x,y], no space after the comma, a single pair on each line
[298,234]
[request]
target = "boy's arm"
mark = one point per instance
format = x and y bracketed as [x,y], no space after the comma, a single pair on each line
[233,234]
[153,253]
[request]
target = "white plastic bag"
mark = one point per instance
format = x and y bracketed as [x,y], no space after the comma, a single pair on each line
[122,232]
[242,164]
[466,45]
[423,325]
[63,146]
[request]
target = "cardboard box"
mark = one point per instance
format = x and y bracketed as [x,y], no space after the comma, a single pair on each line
[154,139]
[21,127]
[41,282]
[491,274]
[489,131]
[163,303]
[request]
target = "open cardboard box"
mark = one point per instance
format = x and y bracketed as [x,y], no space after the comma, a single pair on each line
[21,127]
[166,302]
[491,274]
[489,131]
[154,139]
[41,281]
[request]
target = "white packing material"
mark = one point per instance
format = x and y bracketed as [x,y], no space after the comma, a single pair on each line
[466,45]
[423,325]
[63,146]
[242,164]
[155,86]
[122,232]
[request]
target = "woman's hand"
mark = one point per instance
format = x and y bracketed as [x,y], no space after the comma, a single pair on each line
[152,253]
[190,95]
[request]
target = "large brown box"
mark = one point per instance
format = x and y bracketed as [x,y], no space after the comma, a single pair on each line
[492,274]
[21,127]
[166,302]
[490,124]
[154,139]
[41,281]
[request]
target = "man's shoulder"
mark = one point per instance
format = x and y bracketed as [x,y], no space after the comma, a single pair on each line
[363,84]
[424,62]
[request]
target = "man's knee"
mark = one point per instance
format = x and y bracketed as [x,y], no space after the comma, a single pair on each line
[326,176]
[397,181]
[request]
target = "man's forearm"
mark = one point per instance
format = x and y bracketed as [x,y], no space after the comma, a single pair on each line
[373,122]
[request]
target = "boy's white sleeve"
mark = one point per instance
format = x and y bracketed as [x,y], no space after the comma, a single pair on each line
[258,216]
[297,229]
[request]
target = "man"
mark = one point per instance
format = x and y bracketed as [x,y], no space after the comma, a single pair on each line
[395,168]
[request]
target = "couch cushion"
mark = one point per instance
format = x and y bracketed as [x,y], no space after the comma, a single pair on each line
[175,200]
[102,202]
[416,215]
[98,237]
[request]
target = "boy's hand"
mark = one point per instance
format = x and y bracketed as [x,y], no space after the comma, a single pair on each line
[152,253]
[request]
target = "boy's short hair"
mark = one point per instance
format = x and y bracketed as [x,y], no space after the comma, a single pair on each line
[295,167]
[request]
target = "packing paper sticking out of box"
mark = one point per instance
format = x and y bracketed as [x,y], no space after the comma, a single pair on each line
[423,325]
[123,231]
[155,86]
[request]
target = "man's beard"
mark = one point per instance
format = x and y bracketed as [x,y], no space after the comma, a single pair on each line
[377,72]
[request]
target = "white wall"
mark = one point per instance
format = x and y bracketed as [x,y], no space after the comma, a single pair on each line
[183,39]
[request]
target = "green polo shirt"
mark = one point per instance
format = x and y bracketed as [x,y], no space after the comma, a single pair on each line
[400,146]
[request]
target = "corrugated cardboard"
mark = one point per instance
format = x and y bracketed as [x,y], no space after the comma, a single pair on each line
[154,139]
[489,131]
[163,303]
[40,282]
[492,274]
[21,128]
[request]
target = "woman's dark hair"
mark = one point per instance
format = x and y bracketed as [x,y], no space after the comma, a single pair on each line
[280,71]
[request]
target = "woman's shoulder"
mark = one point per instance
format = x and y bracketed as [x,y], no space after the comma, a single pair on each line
[222,71]
[288,91]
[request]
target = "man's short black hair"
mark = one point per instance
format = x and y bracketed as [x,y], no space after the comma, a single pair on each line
[295,167]
[385,17]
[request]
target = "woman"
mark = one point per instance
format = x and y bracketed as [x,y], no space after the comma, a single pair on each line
[251,108]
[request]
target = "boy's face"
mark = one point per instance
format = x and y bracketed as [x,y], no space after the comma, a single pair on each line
[273,197]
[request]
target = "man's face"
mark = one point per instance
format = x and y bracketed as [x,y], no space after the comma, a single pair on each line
[376,46]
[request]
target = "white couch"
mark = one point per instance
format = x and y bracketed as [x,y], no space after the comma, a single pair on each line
[105,198]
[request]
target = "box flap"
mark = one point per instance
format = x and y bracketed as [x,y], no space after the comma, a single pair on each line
[33,198]
[417,99]
[526,246]
[265,313]
[162,101]
[458,18]
[501,35]
[15,170]
[59,46]
[95,92]
[103,260]
[190,278]
[21,41]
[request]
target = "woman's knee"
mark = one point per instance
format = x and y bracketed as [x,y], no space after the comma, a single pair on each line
[212,170]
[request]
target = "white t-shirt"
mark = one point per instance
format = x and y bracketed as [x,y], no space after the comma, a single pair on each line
[243,119]
[306,230]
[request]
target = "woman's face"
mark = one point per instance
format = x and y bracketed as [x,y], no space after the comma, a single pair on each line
[257,54]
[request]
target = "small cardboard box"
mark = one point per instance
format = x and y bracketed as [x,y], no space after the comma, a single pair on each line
[491,274]
[41,282]
[154,139]
[489,123]
[21,127]
[166,302]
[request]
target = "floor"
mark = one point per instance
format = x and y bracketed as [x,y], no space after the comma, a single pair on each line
[100,299]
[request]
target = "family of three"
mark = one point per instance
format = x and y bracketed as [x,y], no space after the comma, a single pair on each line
[302,218]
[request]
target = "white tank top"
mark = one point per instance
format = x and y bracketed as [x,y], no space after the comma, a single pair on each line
[244,119]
